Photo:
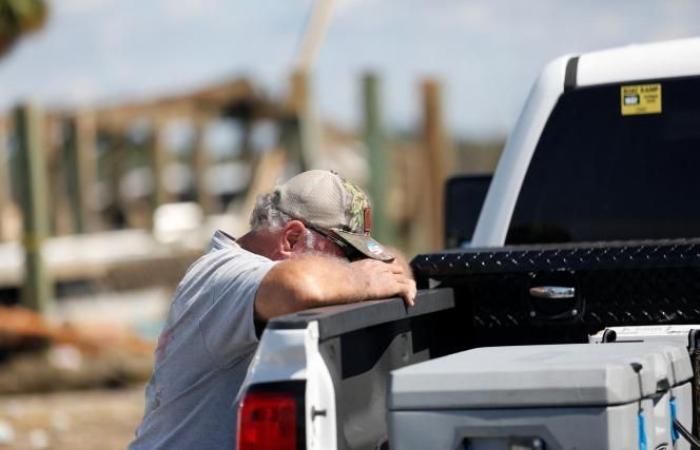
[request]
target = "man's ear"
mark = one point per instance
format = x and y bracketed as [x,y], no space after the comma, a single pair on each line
[293,234]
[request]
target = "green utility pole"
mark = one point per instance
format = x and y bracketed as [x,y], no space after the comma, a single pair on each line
[379,164]
[37,291]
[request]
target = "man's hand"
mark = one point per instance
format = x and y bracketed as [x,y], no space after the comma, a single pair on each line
[400,259]
[384,280]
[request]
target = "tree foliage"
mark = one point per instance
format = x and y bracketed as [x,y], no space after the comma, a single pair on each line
[19,17]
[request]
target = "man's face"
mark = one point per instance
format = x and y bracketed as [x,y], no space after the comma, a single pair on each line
[295,239]
[322,244]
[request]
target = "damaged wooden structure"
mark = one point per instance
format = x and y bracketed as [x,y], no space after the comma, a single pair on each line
[88,154]
[62,172]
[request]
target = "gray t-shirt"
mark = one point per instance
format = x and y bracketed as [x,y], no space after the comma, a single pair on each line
[203,352]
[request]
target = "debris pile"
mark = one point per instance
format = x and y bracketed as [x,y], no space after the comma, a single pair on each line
[39,356]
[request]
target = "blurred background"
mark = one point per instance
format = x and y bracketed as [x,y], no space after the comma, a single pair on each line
[131,130]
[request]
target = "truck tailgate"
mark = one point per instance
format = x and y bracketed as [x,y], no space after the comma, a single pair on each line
[361,343]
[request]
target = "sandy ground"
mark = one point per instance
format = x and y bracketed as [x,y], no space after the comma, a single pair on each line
[73,416]
[79,420]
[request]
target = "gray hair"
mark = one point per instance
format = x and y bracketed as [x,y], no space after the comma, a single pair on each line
[266,216]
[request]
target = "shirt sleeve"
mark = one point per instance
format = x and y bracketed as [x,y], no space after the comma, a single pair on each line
[227,326]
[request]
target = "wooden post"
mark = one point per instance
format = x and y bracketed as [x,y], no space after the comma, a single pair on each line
[37,291]
[310,128]
[290,141]
[245,143]
[436,158]
[200,164]
[87,167]
[379,166]
[5,193]
[159,161]
[57,201]
[114,165]
[314,33]
[80,155]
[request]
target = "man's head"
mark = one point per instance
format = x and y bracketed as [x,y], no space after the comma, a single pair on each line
[315,211]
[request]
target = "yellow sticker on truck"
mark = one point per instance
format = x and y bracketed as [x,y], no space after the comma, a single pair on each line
[640,99]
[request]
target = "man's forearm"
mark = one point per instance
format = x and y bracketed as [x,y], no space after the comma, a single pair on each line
[307,282]
[312,281]
[323,280]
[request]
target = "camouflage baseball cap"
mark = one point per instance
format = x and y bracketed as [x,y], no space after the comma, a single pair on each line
[327,202]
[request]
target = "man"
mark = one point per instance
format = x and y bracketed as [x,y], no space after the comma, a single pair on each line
[309,246]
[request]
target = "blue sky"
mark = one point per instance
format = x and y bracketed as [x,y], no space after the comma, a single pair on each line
[486,52]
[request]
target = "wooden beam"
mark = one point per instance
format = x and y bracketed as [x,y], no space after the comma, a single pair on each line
[210,100]
[37,290]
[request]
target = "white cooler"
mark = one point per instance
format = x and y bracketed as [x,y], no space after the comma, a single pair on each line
[676,341]
[579,397]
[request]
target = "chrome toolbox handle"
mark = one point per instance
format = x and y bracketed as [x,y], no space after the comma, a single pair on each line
[553,292]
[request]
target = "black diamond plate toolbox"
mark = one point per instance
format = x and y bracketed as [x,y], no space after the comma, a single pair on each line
[556,294]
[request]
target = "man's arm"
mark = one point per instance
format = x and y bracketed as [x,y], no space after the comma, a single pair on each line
[314,280]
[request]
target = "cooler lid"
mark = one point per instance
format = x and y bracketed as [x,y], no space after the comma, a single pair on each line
[681,369]
[675,339]
[531,376]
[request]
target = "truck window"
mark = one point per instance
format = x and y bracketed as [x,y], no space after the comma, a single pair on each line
[597,174]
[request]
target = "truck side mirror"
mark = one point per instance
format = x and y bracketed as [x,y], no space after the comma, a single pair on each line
[464,197]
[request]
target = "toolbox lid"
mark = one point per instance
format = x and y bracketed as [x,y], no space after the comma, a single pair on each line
[532,376]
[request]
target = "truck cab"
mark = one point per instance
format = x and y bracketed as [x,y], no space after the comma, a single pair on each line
[595,156]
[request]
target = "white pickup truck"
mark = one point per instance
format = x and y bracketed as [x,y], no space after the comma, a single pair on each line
[607,148]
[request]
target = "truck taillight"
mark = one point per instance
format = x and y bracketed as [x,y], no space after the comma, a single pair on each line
[270,419]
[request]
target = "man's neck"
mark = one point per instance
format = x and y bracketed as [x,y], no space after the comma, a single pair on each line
[254,242]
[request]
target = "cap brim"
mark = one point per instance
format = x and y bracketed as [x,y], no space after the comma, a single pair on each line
[364,244]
